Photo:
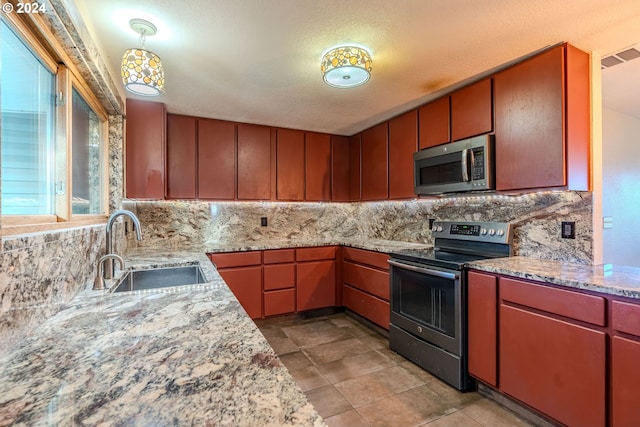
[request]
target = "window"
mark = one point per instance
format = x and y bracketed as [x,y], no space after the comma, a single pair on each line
[53,138]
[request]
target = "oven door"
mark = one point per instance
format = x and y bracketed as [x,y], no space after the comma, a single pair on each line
[427,303]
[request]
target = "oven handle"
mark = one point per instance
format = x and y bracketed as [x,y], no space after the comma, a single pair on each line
[428,271]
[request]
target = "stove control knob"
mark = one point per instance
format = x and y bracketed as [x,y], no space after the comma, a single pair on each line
[434,229]
[437,228]
[483,231]
[492,232]
[500,232]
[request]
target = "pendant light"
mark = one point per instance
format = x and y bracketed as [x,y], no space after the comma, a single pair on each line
[346,66]
[142,71]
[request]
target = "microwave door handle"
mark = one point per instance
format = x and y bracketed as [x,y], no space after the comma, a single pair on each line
[465,165]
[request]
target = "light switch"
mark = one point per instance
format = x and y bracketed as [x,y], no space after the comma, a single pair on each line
[607,222]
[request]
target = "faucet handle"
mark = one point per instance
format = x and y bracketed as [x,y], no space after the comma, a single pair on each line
[98,283]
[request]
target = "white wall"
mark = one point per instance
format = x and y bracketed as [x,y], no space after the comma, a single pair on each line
[621,187]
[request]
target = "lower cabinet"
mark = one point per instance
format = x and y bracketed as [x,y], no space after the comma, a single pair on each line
[482,318]
[279,281]
[365,288]
[246,285]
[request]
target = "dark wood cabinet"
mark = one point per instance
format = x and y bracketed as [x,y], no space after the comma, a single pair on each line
[181,157]
[145,147]
[279,281]
[355,167]
[254,162]
[242,272]
[542,122]
[316,284]
[290,165]
[482,320]
[403,142]
[434,124]
[216,159]
[375,163]
[472,110]
[317,162]
[340,169]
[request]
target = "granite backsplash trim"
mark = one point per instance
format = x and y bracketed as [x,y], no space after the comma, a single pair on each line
[536,217]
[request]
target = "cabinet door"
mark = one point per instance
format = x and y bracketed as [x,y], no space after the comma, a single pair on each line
[145,147]
[181,157]
[290,165]
[557,367]
[482,317]
[254,162]
[355,167]
[317,166]
[316,285]
[530,138]
[216,159]
[403,142]
[340,169]
[625,378]
[279,302]
[279,276]
[471,110]
[246,285]
[375,163]
[434,123]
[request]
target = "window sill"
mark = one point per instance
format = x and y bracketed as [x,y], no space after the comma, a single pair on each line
[14,230]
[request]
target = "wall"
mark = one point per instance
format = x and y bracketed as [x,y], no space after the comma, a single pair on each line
[536,219]
[621,188]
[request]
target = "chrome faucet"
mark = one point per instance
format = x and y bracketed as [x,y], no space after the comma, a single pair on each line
[109,268]
[98,283]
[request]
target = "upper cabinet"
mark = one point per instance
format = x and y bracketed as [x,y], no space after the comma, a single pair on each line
[254,162]
[471,110]
[542,118]
[403,142]
[181,157]
[355,167]
[340,169]
[145,150]
[317,166]
[434,123]
[375,163]
[216,159]
[290,164]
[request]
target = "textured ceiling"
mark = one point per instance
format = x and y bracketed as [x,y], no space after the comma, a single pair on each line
[257,61]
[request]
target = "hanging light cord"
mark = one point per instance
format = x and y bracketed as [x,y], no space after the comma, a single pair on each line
[142,37]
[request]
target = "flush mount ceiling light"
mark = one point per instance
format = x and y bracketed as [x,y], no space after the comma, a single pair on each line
[141,70]
[346,66]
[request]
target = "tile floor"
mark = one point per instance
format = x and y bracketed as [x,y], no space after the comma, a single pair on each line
[353,379]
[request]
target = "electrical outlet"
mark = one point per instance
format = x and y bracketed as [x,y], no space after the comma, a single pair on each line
[568,230]
[431,220]
[263,221]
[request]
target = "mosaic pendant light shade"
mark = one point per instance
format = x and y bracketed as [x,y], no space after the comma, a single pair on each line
[346,66]
[141,70]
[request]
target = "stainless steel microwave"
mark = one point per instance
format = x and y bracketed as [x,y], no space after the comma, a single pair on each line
[465,165]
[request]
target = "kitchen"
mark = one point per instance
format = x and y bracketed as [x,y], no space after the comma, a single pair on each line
[172,223]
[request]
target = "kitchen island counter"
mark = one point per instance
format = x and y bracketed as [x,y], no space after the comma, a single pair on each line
[185,355]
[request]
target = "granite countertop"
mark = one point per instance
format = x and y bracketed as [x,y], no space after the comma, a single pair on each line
[185,355]
[609,279]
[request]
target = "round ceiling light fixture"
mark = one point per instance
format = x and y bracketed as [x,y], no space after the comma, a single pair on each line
[346,66]
[142,71]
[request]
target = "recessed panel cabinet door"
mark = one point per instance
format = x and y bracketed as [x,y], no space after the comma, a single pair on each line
[316,284]
[434,123]
[317,166]
[216,159]
[290,165]
[355,167]
[254,162]
[403,142]
[145,149]
[482,315]
[246,285]
[340,169]
[625,377]
[375,163]
[472,110]
[181,157]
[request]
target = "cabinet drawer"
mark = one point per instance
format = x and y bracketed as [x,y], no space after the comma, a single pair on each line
[276,256]
[316,254]
[367,279]
[625,317]
[279,302]
[279,276]
[586,308]
[376,259]
[368,306]
[236,259]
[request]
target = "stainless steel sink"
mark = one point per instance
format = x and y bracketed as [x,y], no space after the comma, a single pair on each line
[160,278]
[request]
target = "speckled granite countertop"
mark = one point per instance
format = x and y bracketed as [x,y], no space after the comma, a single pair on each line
[185,355]
[614,280]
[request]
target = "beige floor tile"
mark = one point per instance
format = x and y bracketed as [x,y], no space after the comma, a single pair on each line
[452,397]
[347,419]
[455,419]
[273,333]
[377,385]
[391,355]
[283,346]
[410,408]
[354,366]
[418,371]
[315,333]
[295,360]
[490,413]
[328,352]
[327,401]
[309,378]
[375,341]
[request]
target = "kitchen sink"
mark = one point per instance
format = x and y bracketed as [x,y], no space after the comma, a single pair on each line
[137,280]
